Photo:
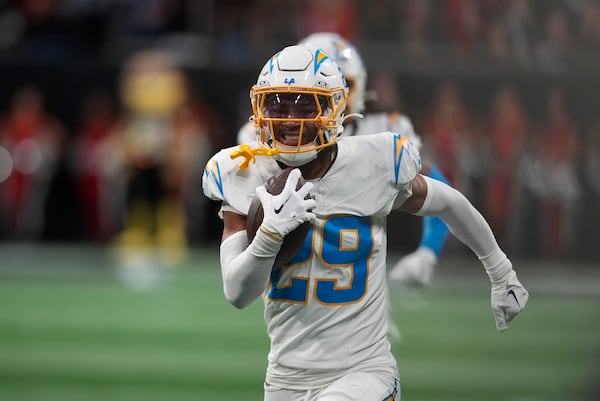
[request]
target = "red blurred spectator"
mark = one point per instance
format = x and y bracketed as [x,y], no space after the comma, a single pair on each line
[498,45]
[507,128]
[589,28]
[32,140]
[98,169]
[444,124]
[464,23]
[559,146]
[338,16]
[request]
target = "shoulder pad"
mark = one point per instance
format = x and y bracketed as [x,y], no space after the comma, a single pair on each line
[216,171]
[395,155]
[401,124]
[406,158]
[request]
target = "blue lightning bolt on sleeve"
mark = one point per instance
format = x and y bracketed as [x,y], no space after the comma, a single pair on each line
[435,231]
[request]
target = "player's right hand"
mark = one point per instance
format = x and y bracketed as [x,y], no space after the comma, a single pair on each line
[509,297]
[414,270]
[283,213]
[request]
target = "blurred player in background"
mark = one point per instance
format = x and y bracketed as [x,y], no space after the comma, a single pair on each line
[164,138]
[326,310]
[416,268]
[152,89]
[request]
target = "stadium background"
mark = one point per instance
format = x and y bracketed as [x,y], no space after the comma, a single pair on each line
[99,305]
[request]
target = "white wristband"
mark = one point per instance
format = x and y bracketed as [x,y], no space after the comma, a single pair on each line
[497,265]
[265,244]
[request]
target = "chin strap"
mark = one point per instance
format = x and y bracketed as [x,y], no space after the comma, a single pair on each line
[250,154]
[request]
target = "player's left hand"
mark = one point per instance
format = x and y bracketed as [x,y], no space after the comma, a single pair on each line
[415,269]
[509,297]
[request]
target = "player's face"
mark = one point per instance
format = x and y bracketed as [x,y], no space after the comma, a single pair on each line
[296,108]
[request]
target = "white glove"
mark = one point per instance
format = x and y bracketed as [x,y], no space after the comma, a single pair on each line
[509,297]
[414,269]
[283,213]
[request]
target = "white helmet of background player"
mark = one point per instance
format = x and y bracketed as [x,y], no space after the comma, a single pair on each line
[300,93]
[348,58]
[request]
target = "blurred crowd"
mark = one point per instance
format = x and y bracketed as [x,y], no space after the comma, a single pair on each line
[125,165]
[554,36]
[128,176]
[534,175]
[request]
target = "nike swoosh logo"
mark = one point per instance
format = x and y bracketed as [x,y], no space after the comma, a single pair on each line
[511,292]
[278,210]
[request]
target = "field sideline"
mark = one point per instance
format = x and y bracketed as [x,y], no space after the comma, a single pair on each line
[72,330]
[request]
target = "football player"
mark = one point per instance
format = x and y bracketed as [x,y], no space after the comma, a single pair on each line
[415,268]
[326,309]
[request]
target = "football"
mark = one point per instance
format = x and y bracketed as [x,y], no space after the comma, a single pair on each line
[291,242]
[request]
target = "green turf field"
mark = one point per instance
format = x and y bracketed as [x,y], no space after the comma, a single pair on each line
[70,330]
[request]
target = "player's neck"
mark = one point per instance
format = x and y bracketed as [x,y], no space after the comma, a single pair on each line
[321,165]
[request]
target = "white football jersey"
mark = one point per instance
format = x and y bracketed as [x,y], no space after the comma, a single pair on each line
[326,310]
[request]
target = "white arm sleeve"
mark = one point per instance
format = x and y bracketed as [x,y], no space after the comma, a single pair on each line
[246,268]
[468,225]
[508,296]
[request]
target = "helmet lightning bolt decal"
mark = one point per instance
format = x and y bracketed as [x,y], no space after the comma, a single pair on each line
[320,57]
[272,62]
[399,148]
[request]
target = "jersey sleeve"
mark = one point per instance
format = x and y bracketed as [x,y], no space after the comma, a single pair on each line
[405,165]
[386,164]
[224,181]
[406,159]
